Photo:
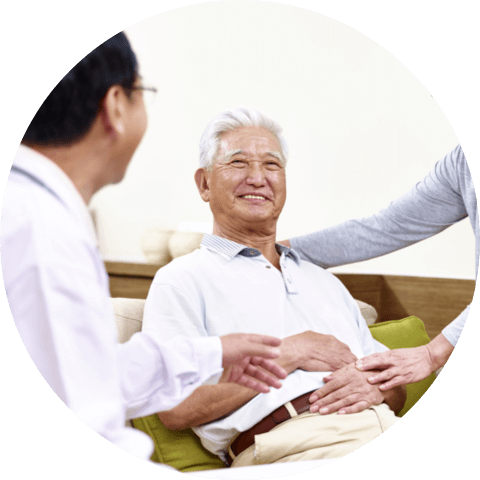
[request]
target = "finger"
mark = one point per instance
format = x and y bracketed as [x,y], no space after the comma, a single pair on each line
[236,347]
[254,348]
[328,388]
[355,408]
[241,352]
[382,376]
[263,376]
[326,401]
[377,361]
[333,406]
[270,367]
[314,396]
[249,382]
[394,382]
[266,339]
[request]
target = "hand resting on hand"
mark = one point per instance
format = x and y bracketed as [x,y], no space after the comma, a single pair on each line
[314,352]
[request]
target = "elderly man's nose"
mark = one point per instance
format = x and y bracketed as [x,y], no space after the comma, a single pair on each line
[256,175]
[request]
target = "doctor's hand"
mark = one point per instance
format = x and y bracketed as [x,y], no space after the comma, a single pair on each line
[248,361]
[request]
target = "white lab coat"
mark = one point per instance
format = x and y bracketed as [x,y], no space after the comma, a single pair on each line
[57,288]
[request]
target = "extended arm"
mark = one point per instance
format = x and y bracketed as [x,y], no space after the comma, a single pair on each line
[432,205]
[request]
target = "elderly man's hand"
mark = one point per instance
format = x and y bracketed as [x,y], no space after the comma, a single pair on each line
[248,361]
[346,391]
[314,352]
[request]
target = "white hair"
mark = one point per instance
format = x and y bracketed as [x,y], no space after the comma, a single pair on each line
[231,120]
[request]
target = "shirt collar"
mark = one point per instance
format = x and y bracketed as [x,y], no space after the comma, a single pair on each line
[232,249]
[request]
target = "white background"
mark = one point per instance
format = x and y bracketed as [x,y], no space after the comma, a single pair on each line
[361,128]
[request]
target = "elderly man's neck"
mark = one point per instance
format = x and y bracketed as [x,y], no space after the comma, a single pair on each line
[262,240]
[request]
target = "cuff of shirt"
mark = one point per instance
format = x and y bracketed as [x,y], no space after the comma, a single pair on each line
[209,354]
[452,331]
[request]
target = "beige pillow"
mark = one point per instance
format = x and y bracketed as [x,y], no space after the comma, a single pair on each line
[368,312]
[129,316]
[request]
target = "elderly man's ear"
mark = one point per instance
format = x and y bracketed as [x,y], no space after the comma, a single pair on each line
[202,179]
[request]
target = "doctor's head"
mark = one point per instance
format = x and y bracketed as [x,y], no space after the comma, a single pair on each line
[99,101]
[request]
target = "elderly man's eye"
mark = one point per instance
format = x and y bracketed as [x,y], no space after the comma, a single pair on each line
[273,165]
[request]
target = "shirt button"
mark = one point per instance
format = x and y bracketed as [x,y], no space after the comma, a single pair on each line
[268,266]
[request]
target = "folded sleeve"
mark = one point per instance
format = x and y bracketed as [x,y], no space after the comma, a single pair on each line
[157,376]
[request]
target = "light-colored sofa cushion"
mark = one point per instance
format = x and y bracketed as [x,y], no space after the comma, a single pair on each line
[129,316]
[368,312]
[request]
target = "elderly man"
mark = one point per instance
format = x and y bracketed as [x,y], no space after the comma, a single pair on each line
[241,280]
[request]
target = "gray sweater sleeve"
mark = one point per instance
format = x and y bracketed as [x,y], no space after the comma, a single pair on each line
[441,199]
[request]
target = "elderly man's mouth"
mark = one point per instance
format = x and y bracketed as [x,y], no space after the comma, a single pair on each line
[254,197]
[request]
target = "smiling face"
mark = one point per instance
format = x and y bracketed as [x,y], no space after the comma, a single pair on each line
[246,187]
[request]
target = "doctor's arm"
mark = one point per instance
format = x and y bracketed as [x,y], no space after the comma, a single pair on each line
[158,376]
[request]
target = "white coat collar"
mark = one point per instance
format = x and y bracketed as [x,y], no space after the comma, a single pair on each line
[54,179]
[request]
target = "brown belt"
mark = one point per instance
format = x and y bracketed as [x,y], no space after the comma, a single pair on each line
[280,415]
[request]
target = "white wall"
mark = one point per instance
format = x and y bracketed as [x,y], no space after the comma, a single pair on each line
[361,128]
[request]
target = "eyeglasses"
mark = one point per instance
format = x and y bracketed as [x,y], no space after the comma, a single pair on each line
[152,93]
[147,89]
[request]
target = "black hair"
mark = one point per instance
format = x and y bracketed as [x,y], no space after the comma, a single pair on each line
[69,111]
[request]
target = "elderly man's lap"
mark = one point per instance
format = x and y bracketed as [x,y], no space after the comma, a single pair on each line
[312,436]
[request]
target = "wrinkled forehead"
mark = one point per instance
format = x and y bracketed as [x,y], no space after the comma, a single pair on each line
[249,141]
[270,153]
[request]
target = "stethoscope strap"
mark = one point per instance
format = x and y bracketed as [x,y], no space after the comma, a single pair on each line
[34,179]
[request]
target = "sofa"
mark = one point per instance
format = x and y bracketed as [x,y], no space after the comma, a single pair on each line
[182,449]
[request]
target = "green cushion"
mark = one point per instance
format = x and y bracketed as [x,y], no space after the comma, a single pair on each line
[181,450]
[406,333]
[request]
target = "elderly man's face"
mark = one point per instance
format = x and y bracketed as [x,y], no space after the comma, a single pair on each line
[247,183]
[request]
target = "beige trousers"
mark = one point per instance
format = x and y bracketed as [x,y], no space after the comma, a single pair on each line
[312,436]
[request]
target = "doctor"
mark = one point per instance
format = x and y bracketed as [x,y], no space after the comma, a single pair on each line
[83,138]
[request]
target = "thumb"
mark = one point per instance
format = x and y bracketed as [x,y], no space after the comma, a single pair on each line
[371,362]
[260,345]
[329,378]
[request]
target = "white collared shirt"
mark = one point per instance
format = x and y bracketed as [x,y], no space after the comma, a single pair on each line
[57,288]
[226,287]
